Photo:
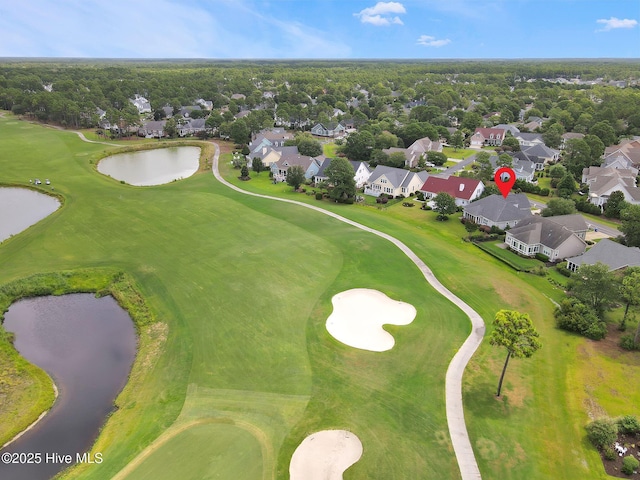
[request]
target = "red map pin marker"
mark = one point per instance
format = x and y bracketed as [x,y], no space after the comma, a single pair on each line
[505,177]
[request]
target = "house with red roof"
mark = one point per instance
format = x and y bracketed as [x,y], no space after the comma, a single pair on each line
[464,190]
[487,136]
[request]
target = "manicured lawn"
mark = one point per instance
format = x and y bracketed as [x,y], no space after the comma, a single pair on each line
[507,256]
[461,153]
[329,149]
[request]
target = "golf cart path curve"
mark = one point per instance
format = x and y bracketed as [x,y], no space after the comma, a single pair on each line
[453,384]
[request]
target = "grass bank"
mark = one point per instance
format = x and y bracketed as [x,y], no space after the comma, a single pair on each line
[26,389]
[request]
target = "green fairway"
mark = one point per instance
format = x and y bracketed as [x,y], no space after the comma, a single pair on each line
[202,452]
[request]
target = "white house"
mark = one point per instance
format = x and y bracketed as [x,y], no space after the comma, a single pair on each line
[603,181]
[554,237]
[394,181]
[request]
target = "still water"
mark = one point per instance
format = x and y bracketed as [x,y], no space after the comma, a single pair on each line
[152,167]
[87,345]
[22,207]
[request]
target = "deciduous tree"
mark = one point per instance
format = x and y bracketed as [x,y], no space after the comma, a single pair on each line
[630,292]
[340,174]
[594,286]
[630,225]
[514,331]
[444,204]
[559,206]
[295,176]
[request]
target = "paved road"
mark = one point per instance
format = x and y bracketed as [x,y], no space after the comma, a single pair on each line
[453,382]
[460,165]
[607,230]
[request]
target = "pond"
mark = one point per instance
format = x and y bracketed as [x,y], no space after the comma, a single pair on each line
[152,167]
[23,207]
[87,345]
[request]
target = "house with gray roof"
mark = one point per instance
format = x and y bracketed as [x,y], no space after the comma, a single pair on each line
[570,136]
[495,210]
[550,236]
[361,172]
[331,129]
[620,160]
[141,103]
[612,254]
[524,169]
[542,152]
[394,181]
[153,129]
[280,168]
[603,181]
[192,127]
[529,139]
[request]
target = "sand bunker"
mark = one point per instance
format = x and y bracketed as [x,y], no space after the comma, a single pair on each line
[359,314]
[325,455]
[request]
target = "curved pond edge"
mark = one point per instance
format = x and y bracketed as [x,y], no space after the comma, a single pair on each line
[57,195]
[207,151]
[102,282]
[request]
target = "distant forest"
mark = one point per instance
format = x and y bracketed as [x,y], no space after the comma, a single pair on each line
[381,96]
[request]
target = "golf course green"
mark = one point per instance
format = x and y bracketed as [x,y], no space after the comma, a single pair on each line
[237,368]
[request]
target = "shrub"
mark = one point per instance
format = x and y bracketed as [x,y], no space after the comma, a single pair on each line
[629,424]
[318,196]
[539,270]
[426,207]
[609,453]
[545,192]
[596,331]
[420,196]
[348,201]
[496,230]
[627,342]
[542,257]
[408,204]
[629,464]
[602,432]
[562,270]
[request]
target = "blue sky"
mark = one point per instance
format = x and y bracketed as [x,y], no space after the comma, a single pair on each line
[275,29]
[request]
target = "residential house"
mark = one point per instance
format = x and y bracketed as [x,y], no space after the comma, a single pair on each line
[523,168]
[275,137]
[630,148]
[206,104]
[141,103]
[497,211]
[168,111]
[280,168]
[608,252]
[619,160]
[570,136]
[192,127]
[543,154]
[421,147]
[529,139]
[546,235]
[186,111]
[153,129]
[508,128]
[394,181]
[270,155]
[362,172]
[464,190]
[487,137]
[331,129]
[533,123]
[603,181]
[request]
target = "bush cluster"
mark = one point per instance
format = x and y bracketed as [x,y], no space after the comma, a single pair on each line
[629,424]
[627,342]
[602,432]
[584,206]
[408,204]
[630,464]
[574,316]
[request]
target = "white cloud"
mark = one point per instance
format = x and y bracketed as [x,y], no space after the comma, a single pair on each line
[379,14]
[613,23]
[429,41]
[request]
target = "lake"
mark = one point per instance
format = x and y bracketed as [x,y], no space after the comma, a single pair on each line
[152,167]
[87,345]
[23,207]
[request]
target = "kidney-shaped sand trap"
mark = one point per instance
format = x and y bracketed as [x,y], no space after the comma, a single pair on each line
[325,455]
[359,314]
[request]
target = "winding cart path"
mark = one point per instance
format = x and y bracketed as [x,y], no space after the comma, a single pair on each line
[453,384]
